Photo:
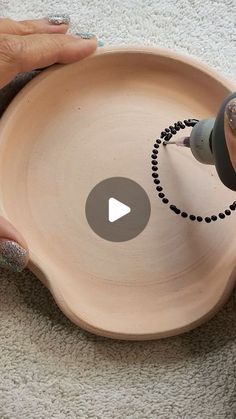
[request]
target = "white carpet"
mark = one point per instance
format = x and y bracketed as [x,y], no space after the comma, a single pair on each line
[49,368]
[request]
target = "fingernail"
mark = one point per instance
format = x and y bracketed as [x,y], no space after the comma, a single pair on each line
[59,19]
[231,113]
[86,35]
[12,255]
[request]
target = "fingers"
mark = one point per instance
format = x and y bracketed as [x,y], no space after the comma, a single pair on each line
[29,27]
[25,53]
[24,46]
[14,253]
[230,130]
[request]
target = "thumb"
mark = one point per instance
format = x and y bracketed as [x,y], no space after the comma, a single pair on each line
[14,252]
[230,130]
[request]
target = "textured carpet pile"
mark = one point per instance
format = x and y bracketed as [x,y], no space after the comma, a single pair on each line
[49,368]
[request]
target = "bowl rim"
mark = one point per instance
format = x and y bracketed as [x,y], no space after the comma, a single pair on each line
[34,263]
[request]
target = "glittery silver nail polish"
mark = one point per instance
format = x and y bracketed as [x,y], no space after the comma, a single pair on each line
[59,18]
[86,35]
[231,113]
[12,255]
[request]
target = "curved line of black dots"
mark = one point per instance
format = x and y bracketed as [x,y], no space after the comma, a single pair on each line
[166,135]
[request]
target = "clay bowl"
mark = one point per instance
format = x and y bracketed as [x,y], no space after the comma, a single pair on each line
[75,125]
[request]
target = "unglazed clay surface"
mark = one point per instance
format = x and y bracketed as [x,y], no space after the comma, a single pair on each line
[74,126]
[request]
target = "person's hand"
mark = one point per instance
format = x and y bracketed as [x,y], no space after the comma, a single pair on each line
[25,46]
[230,130]
[32,44]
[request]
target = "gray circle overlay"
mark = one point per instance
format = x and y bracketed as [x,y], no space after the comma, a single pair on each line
[129,193]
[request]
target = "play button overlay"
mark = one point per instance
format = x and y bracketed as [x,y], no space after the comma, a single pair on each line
[117,209]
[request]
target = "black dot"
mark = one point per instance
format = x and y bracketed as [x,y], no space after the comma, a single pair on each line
[165,200]
[156,181]
[184,214]
[214,217]
[177,128]
[155,151]
[175,209]
[159,188]
[156,146]
[232,207]
[187,123]
[161,195]
[163,134]
[158,141]
[154,168]
[221,215]
[153,156]
[180,124]
[154,162]
[167,130]
[192,217]
[168,137]
[173,131]
[208,219]
[154,175]
[227,212]
[199,219]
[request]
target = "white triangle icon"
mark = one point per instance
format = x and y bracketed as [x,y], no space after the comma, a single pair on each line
[117,210]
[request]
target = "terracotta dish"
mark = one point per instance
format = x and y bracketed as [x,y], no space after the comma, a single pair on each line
[75,125]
